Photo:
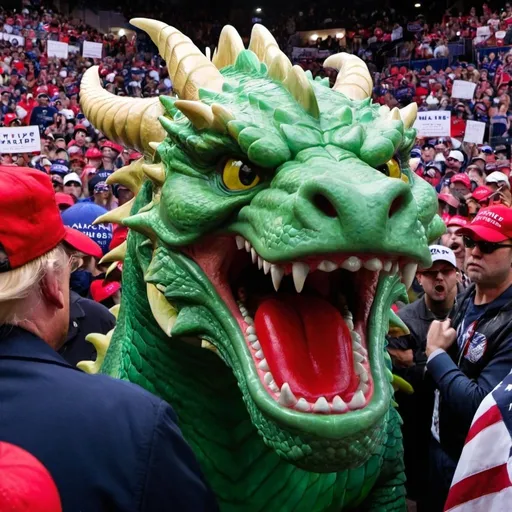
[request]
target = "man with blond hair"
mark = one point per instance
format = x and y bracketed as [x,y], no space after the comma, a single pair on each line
[109,445]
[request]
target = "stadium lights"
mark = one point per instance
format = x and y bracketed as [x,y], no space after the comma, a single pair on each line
[258,9]
[417,6]
[314,37]
[340,35]
[122,32]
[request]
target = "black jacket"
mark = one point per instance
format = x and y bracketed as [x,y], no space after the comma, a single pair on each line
[463,384]
[109,445]
[85,317]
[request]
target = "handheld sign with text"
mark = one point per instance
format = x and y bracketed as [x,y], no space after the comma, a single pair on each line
[463,89]
[475,131]
[92,50]
[20,139]
[57,49]
[434,123]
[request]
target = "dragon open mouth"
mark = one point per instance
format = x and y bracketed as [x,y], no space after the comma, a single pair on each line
[305,322]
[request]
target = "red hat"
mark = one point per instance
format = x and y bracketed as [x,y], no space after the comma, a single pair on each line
[462,178]
[25,484]
[80,127]
[134,155]
[481,193]
[9,118]
[101,290]
[446,217]
[31,223]
[118,237]
[493,224]
[449,199]
[61,198]
[93,153]
[112,145]
[458,220]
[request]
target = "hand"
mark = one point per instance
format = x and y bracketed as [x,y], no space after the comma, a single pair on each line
[505,197]
[440,335]
[401,358]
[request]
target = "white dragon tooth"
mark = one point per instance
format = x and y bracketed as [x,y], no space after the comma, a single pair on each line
[338,405]
[395,268]
[256,345]
[358,357]
[374,265]
[353,264]
[259,355]
[248,320]
[277,273]
[300,272]
[363,387]
[260,262]
[250,330]
[359,368]
[321,406]
[387,266]
[274,387]
[267,378]
[327,266]
[240,242]
[349,322]
[355,337]
[364,377]
[247,246]
[263,365]
[302,405]
[266,266]
[287,398]
[243,311]
[254,255]
[357,401]
[252,338]
[408,273]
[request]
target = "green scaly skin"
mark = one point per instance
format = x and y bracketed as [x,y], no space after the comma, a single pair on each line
[256,454]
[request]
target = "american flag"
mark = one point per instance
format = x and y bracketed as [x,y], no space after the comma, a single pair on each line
[483,479]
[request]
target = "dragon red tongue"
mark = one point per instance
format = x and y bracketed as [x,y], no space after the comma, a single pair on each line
[307,344]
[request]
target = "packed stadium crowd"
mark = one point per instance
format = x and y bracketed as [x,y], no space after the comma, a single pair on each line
[410,61]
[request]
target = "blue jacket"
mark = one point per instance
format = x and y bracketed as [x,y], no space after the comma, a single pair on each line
[109,444]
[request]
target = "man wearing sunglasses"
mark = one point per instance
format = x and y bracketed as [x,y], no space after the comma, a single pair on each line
[468,360]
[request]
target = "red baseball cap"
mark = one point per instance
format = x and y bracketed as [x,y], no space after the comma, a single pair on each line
[93,153]
[61,198]
[493,224]
[462,178]
[457,220]
[112,145]
[481,193]
[31,223]
[449,199]
[101,290]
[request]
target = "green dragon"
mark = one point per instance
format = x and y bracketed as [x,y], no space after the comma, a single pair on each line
[275,222]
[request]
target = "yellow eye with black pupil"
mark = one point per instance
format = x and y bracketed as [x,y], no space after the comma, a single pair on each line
[392,170]
[237,175]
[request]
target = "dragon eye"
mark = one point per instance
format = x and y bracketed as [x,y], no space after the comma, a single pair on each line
[238,175]
[392,169]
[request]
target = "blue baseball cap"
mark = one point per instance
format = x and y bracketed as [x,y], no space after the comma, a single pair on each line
[59,169]
[81,217]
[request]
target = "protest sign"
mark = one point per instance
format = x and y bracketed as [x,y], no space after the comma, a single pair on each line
[56,49]
[299,53]
[20,139]
[92,50]
[13,39]
[463,90]
[434,123]
[474,132]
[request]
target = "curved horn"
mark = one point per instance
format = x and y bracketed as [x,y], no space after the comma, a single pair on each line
[132,122]
[354,79]
[230,45]
[188,68]
[264,45]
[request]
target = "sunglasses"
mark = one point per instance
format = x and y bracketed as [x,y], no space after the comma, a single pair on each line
[483,247]
[432,274]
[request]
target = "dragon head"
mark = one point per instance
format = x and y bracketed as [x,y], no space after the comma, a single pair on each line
[277,220]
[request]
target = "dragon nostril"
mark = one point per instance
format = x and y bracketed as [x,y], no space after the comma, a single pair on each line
[396,205]
[324,205]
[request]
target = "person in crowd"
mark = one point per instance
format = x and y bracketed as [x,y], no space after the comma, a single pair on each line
[455,242]
[43,115]
[73,185]
[476,176]
[469,356]
[498,182]
[460,185]
[439,283]
[107,293]
[127,447]
[64,201]
[103,196]
[454,163]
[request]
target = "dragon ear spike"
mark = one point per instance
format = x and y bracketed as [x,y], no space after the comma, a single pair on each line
[101,343]
[301,89]
[116,254]
[113,266]
[199,114]
[408,114]
[114,310]
[188,67]
[261,41]
[395,114]
[280,67]
[163,312]
[155,172]
[118,215]
[354,79]
[169,103]
[230,45]
[154,145]
[222,116]
[129,176]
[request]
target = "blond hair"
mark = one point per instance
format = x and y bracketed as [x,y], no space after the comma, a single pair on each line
[18,284]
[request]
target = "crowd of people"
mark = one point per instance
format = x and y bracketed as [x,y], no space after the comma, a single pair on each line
[459,346]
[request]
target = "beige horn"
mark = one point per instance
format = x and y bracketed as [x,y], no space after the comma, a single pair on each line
[189,69]
[131,122]
[354,79]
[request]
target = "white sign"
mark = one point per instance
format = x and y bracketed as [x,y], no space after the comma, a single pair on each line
[92,50]
[56,49]
[74,49]
[20,139]
[474,132]
[434,123]
[13,39]
[463,90]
